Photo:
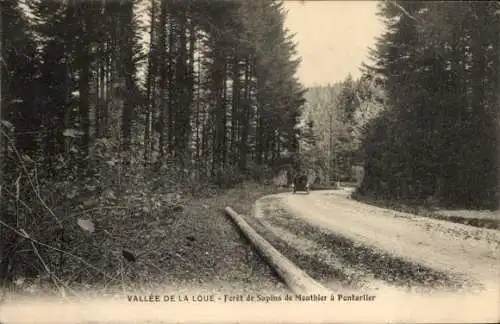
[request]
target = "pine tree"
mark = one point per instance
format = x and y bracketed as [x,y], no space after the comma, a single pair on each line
[433,59]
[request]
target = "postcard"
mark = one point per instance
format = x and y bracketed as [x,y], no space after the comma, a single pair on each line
[264,161]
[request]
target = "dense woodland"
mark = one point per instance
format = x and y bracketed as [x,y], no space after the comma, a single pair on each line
[438,136]
[114,101]
[423,119]
[104,99]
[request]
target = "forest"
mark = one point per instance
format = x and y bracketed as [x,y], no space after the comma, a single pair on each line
[423,118]
[111,100]
[142,105]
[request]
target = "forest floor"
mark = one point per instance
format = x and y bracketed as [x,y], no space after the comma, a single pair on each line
[194,247]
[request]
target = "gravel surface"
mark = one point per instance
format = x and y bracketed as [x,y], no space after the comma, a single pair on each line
[359,266]
[455,249]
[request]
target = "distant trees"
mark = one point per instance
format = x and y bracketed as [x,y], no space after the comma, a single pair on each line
[438,137]
[322,109]
[340,114]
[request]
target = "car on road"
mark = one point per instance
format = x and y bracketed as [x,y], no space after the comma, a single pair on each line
[300,183]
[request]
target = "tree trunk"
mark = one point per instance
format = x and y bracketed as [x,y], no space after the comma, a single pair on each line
[235,105]
[218,84]
[185,89]
[150,87]
[198,116]
[245,118]
[6,236]
[223,149]
[128,71]
[84,103]
[83,87]
[171,85]
[162,123]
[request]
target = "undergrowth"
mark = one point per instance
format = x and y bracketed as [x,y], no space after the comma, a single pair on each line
[116,226]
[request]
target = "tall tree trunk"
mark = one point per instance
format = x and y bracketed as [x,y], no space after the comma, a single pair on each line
[101,94]
[171,112]
[205,156]
[108,86]
[150,86]
[128,71]
[6,237]
[223,148]
[218,79]
[259,127]
[235,105]
[184,80]
[245,118]
[198,116]
[190,95]
[84,101]
[162,123]
[84,88]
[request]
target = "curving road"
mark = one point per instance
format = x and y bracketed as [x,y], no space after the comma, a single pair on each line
[459,250]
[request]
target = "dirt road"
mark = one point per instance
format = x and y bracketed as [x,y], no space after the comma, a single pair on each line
[386,243]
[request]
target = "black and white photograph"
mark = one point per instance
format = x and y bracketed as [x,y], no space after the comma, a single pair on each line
[249,161]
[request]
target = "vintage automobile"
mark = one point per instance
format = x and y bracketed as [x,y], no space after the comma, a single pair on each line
[300,183]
